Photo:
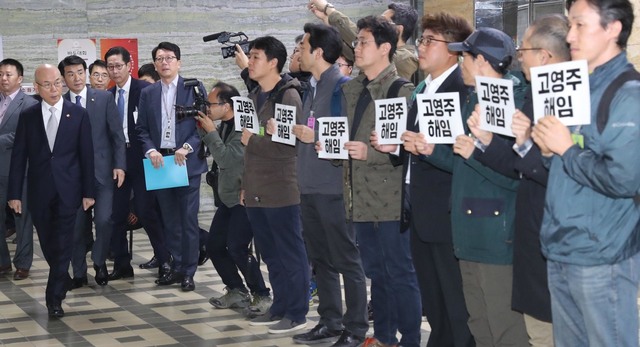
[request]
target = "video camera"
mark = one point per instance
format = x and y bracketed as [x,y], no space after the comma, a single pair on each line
[229,48]
[200,103]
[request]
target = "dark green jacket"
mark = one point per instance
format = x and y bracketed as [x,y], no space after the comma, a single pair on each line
[483,201]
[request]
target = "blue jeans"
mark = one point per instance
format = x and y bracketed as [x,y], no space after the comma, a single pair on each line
[278,235]
[395,296]
[595,305]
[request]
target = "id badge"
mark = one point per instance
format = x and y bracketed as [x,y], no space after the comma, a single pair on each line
[578,139]
[311,122]
[167,134]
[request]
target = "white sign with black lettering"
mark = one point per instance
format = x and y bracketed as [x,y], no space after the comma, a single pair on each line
[244,113]
[497,106]
[333,133]
[562,90]
[391,120]
[285,117]
[439,117]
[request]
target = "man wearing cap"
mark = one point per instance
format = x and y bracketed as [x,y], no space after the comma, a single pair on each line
[483,202]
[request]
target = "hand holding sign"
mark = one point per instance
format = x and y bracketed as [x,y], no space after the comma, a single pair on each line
[416,143]
[495,96]
[244,113]
[391,120]
[474,125]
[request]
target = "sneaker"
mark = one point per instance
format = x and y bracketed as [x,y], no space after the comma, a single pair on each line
[311,302]
[286,325]
[265,319]
[234,298]
[320,333]
[259,305]
[313,287]
[373,342]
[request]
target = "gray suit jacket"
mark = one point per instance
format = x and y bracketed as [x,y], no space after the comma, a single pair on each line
[106,131]
[8,128]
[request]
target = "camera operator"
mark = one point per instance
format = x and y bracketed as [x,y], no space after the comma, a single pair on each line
[230,232]
[161,133]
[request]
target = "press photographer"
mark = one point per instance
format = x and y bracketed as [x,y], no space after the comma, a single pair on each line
[230,232]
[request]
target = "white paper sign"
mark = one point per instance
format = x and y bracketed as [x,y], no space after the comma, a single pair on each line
[495,96]
[285,117]
[439,117]
[391,120]
[333,133]
[562,90]
[244,113]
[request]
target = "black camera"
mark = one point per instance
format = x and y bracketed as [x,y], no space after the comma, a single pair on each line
[200,103]
[229,48]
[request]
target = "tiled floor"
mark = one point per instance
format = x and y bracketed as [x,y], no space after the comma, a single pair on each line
[132,312]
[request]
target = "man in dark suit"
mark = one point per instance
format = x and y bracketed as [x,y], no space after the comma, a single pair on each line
[12,102]
[162,134]
[428,189]
[54,137]
[109,162]
[127,95]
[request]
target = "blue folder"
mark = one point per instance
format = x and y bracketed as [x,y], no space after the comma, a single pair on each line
[170,175]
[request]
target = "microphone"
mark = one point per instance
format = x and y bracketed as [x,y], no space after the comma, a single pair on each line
[213,36]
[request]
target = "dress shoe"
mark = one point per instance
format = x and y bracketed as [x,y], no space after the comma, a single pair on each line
[78,282]
[187,284]
[203,256]
[6,269]
[121,272]
[169,278]
[151,264]
[320,333]
[163,269]
[20,274]
[55,311]
[102,275]
[347,339]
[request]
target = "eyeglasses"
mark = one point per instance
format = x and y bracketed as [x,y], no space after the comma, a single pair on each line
[355,43]
[209,104]
[165,59]
[520,50]
[426,41]
[343,64]
[48,85]
[115,67]
[100,75]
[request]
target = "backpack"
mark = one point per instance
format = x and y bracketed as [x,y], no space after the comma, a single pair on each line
[336,97]
[605,102]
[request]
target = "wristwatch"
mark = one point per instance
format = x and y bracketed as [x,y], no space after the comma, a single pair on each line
[328,5]
[188,147]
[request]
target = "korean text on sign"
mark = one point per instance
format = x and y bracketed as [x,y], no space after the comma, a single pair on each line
[244,113]
[439,117]
[285,117]
[562,90]
[333,133]
[495,96]
[391,120]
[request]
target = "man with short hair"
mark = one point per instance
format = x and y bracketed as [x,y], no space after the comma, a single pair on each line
[12,101]
[230,233]
[147,72]
[270,191]
[98,75]
[54,138]
[375,208]
[403,16]
[428,189]
[108,148]
[162,134]
[543,43]
[482,202]
[126,93]
[591,226]
[330,242]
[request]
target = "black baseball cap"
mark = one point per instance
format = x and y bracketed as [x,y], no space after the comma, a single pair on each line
[494,45]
